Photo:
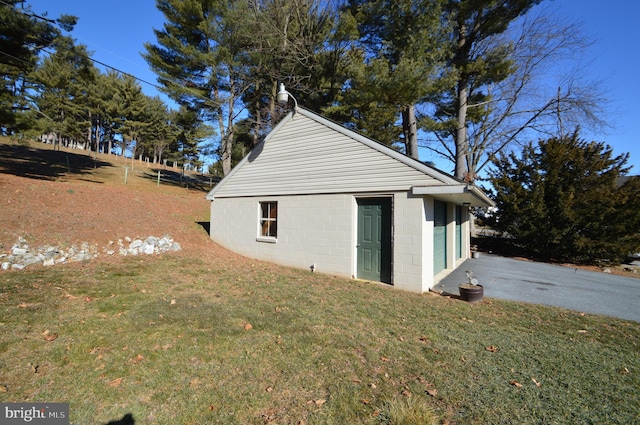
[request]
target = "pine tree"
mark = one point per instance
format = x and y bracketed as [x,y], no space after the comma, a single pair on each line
[201,59]
[299,43]
[220,58]
[398,57]
[62,80]
[476,65]
[24,36]
[134,119]
[159,133]
[189,132]
[562,199]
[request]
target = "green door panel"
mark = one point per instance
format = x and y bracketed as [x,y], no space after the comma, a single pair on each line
[439,236]
[458,232]
[374,239]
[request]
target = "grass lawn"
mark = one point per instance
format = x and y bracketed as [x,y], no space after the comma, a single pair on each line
[172,340]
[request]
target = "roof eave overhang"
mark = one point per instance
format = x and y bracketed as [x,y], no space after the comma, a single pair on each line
[460,194]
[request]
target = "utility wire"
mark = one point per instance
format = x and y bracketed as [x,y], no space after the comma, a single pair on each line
[52,21]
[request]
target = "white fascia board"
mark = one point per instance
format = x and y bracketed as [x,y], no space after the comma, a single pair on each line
[439,190]
[460,193]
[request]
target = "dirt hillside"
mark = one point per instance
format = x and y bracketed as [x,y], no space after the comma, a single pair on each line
[66,197]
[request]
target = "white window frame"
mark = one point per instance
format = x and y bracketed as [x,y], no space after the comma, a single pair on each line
[268,220]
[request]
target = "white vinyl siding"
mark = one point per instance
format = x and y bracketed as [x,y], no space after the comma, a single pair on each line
[306,157]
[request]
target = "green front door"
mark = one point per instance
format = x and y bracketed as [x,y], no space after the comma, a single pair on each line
[374,239]
[439,236]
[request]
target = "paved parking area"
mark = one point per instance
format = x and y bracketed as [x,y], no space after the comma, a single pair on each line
[549,284]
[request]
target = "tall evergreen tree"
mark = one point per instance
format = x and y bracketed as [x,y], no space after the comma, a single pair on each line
[24,36]
[222,58]
[190,131]
[62,81]
[160,131]
[402,46]
[134,119]
[298,43]
[109,110]
[201,60]
[474,64]
[563,199]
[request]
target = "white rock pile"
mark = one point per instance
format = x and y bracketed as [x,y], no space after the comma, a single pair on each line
[22,255]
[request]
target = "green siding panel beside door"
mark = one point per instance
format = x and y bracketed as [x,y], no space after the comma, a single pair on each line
[374,239]
[439,236]
[458,232]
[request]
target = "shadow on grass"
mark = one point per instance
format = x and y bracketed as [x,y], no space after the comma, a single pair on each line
[179,179]
[44,164]
[126,420]
[451,295]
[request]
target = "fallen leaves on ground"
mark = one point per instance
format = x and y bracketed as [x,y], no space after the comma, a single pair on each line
[248,326]
[492,348]
[538,384]
[48,336]
[115,382]
[137,359]
[516,384]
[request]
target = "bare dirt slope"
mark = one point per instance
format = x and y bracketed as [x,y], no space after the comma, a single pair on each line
[67,197]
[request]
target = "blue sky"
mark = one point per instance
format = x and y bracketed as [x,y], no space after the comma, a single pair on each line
[116,30]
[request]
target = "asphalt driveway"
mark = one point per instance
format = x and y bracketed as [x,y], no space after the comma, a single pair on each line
[548,284]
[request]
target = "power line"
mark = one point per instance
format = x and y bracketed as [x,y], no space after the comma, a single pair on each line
[85,56]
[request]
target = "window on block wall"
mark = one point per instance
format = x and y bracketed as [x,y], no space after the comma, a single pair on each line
[269,219]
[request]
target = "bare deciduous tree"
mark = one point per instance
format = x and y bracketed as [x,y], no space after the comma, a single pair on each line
[544,93]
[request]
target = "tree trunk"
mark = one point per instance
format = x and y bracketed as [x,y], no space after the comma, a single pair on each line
[97,137]
[90,133]
[272,104]
[257,125]
[227,140]
[410,130]
[461,132]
